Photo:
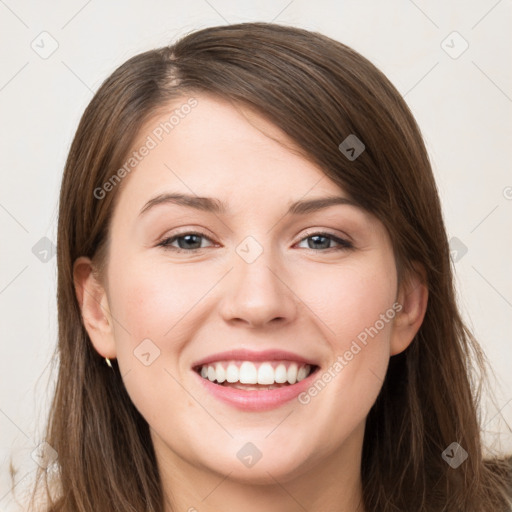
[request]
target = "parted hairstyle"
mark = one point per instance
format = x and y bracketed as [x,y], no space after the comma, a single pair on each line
[318,91]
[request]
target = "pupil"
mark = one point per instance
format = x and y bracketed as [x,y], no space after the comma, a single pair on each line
[186,240]
[316,237]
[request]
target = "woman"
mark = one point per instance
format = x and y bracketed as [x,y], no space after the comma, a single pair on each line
[214,354]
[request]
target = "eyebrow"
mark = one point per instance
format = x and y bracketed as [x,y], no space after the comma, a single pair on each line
[210,204]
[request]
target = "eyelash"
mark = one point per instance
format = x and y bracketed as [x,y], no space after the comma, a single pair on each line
[343,244]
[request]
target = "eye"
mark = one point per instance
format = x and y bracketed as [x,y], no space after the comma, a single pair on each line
[191,242]
[187,242]
[323,241]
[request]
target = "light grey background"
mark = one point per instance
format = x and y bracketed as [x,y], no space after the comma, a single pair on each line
[461,99]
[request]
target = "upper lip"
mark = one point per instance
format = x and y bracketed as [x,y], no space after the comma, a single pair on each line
[250,355]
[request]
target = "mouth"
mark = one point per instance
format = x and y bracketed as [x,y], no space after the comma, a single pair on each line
[255,381]
[255,375]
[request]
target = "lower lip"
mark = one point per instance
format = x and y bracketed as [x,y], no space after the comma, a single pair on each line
[257,400]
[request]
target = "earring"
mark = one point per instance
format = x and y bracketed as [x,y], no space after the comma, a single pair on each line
[107,360]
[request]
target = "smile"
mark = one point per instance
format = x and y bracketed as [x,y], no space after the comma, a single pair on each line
[265,374]
[255,381]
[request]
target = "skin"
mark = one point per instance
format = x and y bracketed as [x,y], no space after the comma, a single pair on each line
[311,300]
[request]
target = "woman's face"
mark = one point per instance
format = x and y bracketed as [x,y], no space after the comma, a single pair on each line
[188,281]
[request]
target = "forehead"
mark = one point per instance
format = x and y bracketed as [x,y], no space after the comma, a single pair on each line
[223,150]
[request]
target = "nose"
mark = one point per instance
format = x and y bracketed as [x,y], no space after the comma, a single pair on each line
[258,294]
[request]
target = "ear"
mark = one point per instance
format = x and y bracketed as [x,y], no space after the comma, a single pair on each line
[413,297]
[94,307]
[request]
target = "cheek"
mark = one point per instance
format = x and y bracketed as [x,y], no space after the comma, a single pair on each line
[349,300]
[357,321]
[153,306]
[155,311]
[154,300]
[164,301]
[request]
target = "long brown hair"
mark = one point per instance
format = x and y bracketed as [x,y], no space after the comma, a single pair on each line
[318,91]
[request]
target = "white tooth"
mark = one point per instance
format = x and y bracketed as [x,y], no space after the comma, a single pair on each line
[204,372]
[292,373]
[303,372]
[281,375]
[266,374]
[232,373]
[220,372]
[248,373]
[211,373]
